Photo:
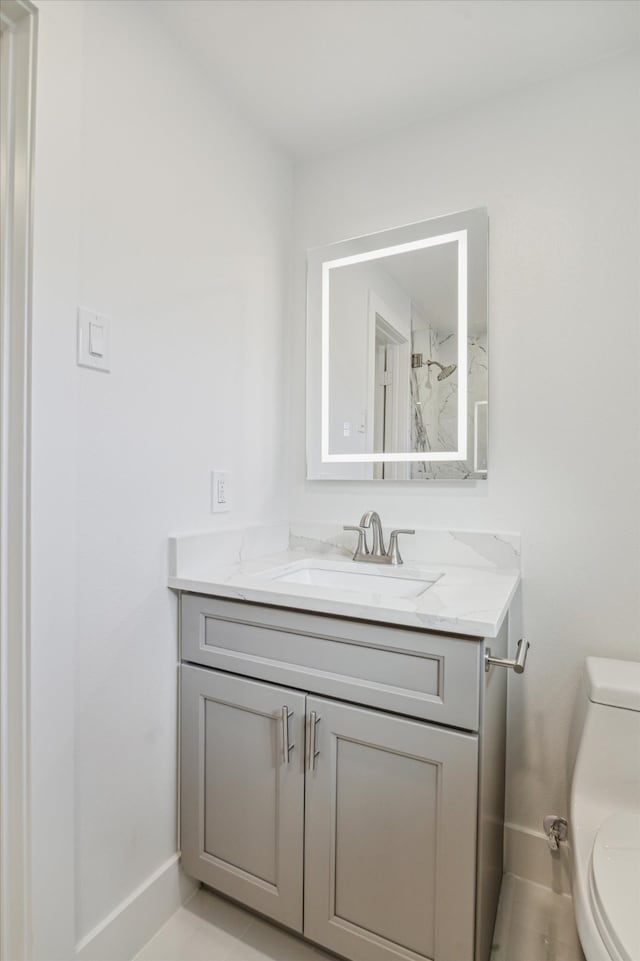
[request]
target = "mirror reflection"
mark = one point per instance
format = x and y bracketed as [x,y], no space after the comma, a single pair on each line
[403,341]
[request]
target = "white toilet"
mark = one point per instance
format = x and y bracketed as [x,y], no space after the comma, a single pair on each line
[604,819]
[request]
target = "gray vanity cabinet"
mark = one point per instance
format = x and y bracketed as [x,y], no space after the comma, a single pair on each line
[242,802]
[390,832]
[344,778]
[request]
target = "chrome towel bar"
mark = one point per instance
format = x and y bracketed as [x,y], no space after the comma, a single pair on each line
[517,664]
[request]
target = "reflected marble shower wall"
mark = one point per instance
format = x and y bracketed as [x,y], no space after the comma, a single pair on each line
[478,373]
[434,404]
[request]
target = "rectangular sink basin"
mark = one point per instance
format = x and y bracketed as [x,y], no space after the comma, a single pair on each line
[357,577]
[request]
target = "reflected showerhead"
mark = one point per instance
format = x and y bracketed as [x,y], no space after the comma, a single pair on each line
[447,371]
[417,361]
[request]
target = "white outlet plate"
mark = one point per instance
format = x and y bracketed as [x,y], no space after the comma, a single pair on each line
[220,492]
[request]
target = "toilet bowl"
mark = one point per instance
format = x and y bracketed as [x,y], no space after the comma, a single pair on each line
[605,812]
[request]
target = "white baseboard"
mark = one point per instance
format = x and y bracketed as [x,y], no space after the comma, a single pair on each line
[125,931]
[527,855]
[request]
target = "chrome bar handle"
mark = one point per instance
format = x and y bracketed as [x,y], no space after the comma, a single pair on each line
[286,746]
[314,720]
[362,547]
[517,664]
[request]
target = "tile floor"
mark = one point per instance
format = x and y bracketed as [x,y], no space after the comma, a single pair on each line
[533,924]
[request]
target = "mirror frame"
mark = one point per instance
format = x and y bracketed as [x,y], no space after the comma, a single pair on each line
[469,229]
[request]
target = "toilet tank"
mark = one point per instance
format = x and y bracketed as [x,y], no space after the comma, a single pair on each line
[613,683]
[607,768]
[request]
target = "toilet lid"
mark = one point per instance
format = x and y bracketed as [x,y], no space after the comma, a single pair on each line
[615,885]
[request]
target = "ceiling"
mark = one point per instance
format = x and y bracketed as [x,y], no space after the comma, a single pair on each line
[317,75]
[430,278]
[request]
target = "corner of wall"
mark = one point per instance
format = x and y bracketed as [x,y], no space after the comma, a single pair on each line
[125,931]
[527,855]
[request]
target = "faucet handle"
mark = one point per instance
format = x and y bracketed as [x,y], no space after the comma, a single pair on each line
[362,540]
[393,551]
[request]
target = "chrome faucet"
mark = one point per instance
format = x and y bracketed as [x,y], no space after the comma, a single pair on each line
[377,554]
[372,519]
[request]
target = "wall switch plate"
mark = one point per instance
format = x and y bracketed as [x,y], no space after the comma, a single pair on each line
[220,500]
[94,340]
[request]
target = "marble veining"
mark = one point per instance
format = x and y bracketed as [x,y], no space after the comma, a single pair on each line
[467,598]
[203,550]
[466,548]
[434,403]
[333,544]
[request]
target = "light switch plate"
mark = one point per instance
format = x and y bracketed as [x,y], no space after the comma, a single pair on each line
[94,340]
[220,500]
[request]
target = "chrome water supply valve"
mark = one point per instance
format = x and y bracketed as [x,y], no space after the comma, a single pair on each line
[555,827]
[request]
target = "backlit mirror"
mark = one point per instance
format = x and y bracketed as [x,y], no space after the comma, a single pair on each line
[397,375]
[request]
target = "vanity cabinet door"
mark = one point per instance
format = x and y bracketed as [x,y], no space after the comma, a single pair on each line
[242,791]
[390,836]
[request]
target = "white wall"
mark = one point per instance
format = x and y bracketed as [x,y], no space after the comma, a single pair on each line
[158,206]
[557,166]
[351,351]
[54,472]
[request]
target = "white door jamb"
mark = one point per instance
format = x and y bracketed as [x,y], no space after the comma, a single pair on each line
[18,32]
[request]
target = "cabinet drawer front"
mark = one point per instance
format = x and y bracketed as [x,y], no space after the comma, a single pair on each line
[241,801]
[426,675]
[390,836]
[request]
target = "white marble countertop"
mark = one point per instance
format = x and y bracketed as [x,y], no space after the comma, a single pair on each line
[463,600]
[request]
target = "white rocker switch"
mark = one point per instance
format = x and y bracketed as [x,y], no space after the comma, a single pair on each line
[93,340]
[96,339]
